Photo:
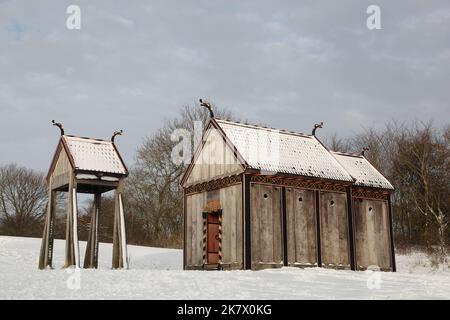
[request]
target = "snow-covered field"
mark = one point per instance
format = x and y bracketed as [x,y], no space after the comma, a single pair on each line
[157,274]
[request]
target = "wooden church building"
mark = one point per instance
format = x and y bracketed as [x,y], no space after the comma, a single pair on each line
[256,197]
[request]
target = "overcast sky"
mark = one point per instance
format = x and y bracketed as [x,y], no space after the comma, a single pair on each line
[288,64]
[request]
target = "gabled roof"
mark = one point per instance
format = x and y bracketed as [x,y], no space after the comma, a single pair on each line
[282,151]
[95,155]
[362,171]
[92,155]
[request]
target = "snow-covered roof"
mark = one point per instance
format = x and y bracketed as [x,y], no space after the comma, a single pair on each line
[362,171]
[282,151]
[95,155]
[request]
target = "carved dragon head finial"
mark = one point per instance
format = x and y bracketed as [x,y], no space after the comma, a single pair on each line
[59,125]
[116,133]
[317,126]
[363,151]
[207,105]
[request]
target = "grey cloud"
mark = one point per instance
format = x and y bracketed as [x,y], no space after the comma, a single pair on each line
[288,64]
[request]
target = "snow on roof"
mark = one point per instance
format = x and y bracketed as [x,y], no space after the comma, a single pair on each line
[281,151]
[363,171]
[95,155]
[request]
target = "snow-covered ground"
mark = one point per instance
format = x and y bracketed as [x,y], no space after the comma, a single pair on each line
[157,274]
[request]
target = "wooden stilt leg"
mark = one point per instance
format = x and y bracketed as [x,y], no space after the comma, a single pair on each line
[123,236]
[120,259]
[91,257]
[116,246]
[46,255]
[98,201]
[72,248]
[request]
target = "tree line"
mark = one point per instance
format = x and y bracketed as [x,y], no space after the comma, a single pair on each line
[414,156]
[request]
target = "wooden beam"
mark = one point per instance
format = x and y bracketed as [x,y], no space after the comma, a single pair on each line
[247,224]
[284,226]
[91,256]
[72,257]
[98,182]
[184,230]
[119,259]
[351,233]
[318,244]
[391,234]
[46,254]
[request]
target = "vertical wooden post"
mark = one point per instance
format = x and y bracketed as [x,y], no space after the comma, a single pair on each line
[72,247]
[284,226]
[391,233]
[220,266]
[318,241]
[247,223]
[205,238]
[351,233]
[120,259]
[184,230]
[91,256]
[46,254]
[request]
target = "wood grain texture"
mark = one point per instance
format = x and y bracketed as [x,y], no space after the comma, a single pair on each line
[301,227]
[372,233]
[266,225]
[231,203]
[194,228]
[334,230]
[61,172]
[215,160]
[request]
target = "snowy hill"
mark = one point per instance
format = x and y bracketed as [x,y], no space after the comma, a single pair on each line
[157,274]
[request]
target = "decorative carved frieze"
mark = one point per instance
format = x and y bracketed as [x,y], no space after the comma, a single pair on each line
[299,183]
[214,184]
[370,193]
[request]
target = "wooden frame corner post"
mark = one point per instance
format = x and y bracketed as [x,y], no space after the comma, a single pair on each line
[91,255]
[46,254]
[72,257]
[120,258]
[318,228]
[391,233]
[351,228]
[247,222]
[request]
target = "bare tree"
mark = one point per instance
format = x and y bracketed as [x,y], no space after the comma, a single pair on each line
[423,163]
[336,143]
[153,191]
[23,200]
[416,159]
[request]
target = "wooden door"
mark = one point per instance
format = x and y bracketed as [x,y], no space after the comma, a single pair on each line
[213,239]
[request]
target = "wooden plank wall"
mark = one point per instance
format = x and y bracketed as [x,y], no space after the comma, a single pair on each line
[267,249]
[194,229]
[215,160]
[372,233]
[60,175]
[301,227]
[232,243]
[334,230]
